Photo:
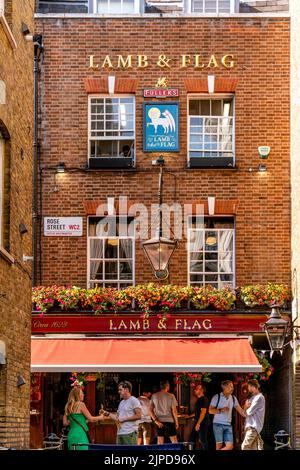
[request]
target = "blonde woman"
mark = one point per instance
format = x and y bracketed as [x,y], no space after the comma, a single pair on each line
[76,416]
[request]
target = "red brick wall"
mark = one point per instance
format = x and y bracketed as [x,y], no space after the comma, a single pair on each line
[16,117]
[261,47]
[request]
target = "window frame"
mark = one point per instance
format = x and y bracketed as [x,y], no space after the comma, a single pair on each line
[232,8]
[190,229]
[117,281]
[136,8]
[210,97]
[115,138]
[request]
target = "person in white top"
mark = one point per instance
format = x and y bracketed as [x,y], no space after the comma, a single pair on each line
[145,427]
[128,415]
[255,415]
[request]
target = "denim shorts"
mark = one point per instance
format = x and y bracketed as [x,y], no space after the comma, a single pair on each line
[223,432]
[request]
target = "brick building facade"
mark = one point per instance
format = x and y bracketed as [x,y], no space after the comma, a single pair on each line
[16,139]
[263,200]
[243,59]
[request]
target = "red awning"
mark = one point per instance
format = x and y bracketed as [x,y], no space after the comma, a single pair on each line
[143,355]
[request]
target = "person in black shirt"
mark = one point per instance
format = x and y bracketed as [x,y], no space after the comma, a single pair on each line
[201,415]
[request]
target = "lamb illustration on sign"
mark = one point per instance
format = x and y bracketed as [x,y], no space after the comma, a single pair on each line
[166,122]
[161,133]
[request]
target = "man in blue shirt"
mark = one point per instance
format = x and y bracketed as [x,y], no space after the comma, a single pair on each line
[221,406]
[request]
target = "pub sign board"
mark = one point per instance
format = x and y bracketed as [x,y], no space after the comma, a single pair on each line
[161,127]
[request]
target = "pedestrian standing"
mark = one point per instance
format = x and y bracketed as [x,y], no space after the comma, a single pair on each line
[255,415]
[76,416]
[221,407]
[127,416]
[163,410]
[145,426]
[201,422]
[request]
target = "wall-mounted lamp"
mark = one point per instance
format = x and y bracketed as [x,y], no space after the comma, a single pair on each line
[22,228]
[61,167]
[20,381]
[25,30]
[27,258]
[262,168]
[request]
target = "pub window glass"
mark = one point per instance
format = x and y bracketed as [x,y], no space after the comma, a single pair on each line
[211,127]
[112,127]
[211,252]
[111,251]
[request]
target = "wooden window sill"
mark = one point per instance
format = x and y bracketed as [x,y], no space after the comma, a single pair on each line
[5,255]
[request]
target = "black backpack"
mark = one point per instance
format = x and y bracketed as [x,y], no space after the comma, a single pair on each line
[233,397]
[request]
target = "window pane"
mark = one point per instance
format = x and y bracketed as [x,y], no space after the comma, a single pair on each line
[226,240]
[128,6]
[211,256]
[226,262]
[227,108]
[224,6]
[111,248]
[210,6]
[197,278]
[115,6]
[102,6]
[211,267]
[205,108]
[111,270]
[106,227]
[196,256]
[216,106]
[194,107]
[211,278]
[96,249]
[126,270]
[211,240]
[96,270]
[196,240]
[196,266]
[226,278]
[125,248]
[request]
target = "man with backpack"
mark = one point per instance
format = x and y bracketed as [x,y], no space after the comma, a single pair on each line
[221,407]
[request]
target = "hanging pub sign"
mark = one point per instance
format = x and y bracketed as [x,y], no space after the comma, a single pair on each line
[161,127]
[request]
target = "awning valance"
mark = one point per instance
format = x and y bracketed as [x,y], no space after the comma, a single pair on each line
[143,355]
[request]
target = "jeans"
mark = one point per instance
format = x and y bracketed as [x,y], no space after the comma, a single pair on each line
[223,433]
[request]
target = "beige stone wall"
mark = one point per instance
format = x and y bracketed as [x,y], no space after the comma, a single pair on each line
[16,122]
